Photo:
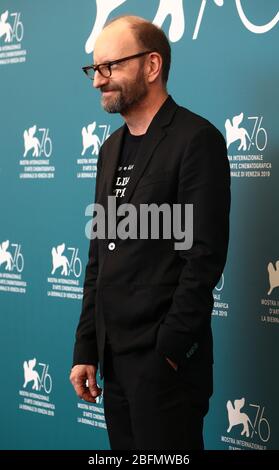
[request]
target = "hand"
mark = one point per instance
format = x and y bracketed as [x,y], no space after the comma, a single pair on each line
[173,364]
[79,375]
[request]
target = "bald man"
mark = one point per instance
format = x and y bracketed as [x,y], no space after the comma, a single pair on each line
[147,303]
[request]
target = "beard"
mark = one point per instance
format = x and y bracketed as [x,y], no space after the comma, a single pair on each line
[125,96]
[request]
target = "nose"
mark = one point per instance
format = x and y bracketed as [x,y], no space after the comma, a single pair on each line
[99,80]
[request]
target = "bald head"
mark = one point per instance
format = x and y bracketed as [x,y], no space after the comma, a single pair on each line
[116,40]
[127,20]
[129,34]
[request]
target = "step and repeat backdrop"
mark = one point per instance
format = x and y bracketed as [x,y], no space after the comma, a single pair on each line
[224,67]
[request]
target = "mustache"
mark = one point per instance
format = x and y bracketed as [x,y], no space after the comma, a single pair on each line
[106,88]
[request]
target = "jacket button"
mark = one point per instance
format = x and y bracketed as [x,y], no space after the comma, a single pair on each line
[111,246]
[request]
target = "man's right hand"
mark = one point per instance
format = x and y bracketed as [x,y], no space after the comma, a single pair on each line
[79,375]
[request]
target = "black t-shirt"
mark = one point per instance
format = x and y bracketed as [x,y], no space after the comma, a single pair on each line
[126,164]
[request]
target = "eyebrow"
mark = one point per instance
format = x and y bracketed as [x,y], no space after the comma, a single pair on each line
[107,61]
[103,62]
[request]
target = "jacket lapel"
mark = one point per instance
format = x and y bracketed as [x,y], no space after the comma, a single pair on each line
[112,159]
[154,135]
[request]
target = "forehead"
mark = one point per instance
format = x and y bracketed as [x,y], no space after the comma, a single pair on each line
[115,41]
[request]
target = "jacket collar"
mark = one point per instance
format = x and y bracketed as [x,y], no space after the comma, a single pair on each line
[155,133]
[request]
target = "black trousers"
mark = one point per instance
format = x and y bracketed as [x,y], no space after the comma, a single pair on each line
[150,405]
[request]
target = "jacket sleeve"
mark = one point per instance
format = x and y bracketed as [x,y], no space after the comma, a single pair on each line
[204,181]
[85,348]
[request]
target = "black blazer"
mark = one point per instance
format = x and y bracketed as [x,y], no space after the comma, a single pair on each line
[144,292]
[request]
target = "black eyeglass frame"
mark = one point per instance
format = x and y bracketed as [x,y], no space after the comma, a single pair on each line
[94,67]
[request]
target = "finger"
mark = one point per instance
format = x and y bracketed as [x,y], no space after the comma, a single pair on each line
[79,384]
[86,395]
[83,392]
[95,390]
[80,388]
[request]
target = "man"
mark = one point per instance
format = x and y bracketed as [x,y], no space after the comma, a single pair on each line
[147,306]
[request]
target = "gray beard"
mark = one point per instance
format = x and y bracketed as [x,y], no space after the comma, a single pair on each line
[122,104]
[115,106]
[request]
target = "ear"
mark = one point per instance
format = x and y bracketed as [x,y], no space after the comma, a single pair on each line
[270,268]
[4,16]
[154,66]
[242,402]
[32,363]
[91,127]
[237,119]
[5,245]
[60,248]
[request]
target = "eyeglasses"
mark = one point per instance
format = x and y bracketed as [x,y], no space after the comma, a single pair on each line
[105,68]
